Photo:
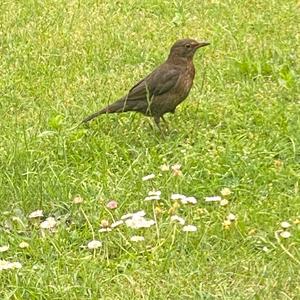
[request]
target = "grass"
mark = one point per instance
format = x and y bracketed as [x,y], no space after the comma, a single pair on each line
[239,128]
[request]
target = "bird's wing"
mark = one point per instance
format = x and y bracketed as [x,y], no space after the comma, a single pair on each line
[160,81]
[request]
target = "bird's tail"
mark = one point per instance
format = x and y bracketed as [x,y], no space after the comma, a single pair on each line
[118,106]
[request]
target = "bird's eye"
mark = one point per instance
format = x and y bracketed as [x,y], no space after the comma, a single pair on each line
[187,45]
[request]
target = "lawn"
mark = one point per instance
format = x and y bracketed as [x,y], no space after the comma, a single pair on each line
[237,136]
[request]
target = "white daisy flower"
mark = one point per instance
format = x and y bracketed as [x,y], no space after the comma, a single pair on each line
[137,238]
[213,199]
[5,265]
[117,223]
[36,214]
[140,213]
[4,248]
[224,202]
[164,168]
[148,177]
[139,222]
[23,245]
[105,229]
[152,198]
[178,219]
[187,200]
[177,197]
[231,217]
[94,244]
[225,192]
[265,249]
[189,228]
[154,193]
[285,234]
[285,224]
[49,223]
[77,200]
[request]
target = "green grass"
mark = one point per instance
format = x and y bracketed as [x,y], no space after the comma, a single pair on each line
[239,128]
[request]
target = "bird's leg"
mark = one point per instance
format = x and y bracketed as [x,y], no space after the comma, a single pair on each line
[166,123]
[157,121]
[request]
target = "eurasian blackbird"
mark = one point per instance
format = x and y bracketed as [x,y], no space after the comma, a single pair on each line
[163,89]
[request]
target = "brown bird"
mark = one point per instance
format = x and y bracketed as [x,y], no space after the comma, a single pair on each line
[163,89]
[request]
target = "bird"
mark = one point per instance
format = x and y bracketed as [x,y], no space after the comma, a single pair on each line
[163,89]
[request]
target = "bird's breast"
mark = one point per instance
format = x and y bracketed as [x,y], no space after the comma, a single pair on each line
[185,82]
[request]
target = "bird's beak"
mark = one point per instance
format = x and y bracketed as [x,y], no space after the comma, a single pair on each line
[202,44]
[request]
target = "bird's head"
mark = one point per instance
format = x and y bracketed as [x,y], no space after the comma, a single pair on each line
[186,48]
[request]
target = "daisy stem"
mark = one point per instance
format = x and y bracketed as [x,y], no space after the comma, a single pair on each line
[89,223]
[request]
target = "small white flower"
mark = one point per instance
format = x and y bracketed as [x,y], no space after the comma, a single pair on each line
[77,200]
[23,245]
[191,200]
[4,248]
[285,224]
[137,238]
[151,198]
[140,213]
[154,193]
[139,222]
[177,197]
[105,229]
[213,199]
[94,244]
[148,177]
[184,199]
[117,223]
[178,219]
[225,192]
[265,249]
[49,223]
[231,217]
[37,267]
[5,265]
[16,265]
[224,202]
[36,214]
[176,167]
[189,228]
[164,168]
[285,234]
